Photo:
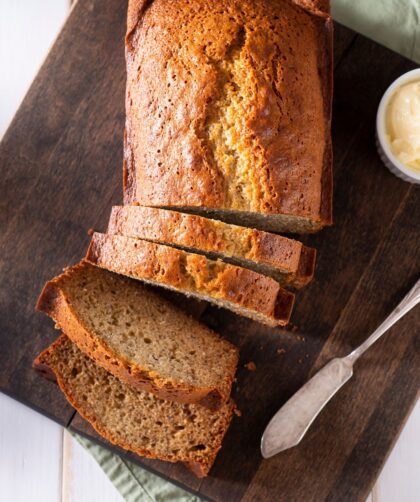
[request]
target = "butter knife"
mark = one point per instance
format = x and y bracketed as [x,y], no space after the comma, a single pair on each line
[289,425]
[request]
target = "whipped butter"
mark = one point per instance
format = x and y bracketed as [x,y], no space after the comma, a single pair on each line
[403,124]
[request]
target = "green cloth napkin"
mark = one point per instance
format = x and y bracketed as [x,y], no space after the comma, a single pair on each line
[393,23]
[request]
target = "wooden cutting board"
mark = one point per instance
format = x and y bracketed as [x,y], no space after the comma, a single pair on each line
[61,172]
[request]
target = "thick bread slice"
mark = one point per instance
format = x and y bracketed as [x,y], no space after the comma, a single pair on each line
[132,419]
[241,290]
[140,337]
[286,260]
[229,110]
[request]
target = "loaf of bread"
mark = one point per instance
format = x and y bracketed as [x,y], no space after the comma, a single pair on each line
[132,419]
[228,110]
[241,290]
[285,260]
[140,337]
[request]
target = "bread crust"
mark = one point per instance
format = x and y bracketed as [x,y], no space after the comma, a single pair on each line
[44,363]
[55,304]
[167,158]
[285,260]
[236,288]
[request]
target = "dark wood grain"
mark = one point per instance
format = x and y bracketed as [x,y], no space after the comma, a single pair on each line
[343,40]
[61,172]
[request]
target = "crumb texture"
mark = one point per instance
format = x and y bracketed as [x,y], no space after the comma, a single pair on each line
[136,420]
[131,329]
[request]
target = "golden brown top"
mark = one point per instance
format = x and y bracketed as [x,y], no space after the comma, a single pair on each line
[226,107]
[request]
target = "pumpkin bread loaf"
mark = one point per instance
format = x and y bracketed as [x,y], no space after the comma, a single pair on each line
[228,106]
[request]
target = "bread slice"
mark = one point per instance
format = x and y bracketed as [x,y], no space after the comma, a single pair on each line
[132,419]
[140,337]
[241,290]
[286,260]
[229,110]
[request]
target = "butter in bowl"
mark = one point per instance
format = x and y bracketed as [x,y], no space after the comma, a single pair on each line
[398,127]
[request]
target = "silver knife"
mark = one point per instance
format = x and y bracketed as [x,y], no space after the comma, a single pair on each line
[291,422]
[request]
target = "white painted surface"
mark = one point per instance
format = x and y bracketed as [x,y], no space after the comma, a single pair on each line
[27,29]
[400,478]
[83,479]
[36,462]
[30,454]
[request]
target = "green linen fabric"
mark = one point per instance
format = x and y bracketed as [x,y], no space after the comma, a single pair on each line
[393,23]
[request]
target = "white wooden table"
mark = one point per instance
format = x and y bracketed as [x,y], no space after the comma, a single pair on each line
[39,460]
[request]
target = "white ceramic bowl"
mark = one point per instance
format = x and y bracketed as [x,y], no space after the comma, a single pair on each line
[382,143]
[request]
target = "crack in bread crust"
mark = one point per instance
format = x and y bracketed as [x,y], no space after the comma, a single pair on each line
[233,154]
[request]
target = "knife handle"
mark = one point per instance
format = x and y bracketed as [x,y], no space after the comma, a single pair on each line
[410,300]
